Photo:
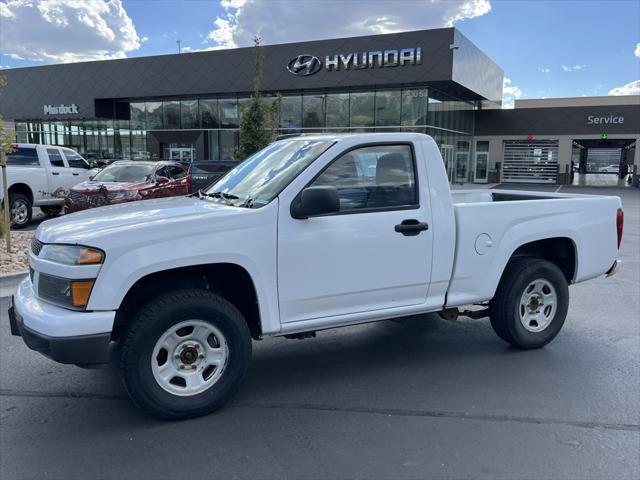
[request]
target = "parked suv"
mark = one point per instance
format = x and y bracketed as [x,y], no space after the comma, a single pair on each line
[35,173]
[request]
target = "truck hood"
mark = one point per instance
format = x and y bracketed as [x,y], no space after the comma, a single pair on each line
[151,219]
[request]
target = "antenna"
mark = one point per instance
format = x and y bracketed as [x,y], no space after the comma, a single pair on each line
[179,48]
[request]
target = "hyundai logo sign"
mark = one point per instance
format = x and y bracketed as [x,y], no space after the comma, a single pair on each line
[304,65]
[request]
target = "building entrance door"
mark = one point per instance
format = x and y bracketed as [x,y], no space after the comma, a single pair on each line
[482,162]
[181,154]
[447,157]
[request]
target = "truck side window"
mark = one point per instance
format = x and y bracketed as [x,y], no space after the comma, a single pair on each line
[54,157]
[74,160]
[23,157]
[381,176]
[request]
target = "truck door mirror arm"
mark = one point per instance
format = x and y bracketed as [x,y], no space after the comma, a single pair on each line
[314,201]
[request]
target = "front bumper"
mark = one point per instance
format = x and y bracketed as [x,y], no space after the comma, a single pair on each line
[65,336]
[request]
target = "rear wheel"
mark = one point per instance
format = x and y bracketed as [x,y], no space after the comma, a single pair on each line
[20,210]
[531,303]
[185,354]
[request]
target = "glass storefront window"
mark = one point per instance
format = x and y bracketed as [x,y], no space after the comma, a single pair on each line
[154,115]
[228,112]
[337,110]
[213,145]
[209,117]
[228,144]
[313,111]
[388,108]
[361,106]
[189,113]
[291,112]
[171,113]
[137,112]
[414,106]
[243,104]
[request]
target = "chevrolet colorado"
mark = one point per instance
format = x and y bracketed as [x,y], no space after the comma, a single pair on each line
[310,233]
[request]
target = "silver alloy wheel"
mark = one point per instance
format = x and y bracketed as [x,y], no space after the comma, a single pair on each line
[189,358]
[19,211]
[538,305]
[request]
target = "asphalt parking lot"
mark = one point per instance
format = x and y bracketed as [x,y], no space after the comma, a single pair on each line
[406,398]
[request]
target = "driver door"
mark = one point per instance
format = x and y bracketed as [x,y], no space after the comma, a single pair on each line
[355,260]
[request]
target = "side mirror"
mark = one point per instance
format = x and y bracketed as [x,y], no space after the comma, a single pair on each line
[314,201]
[161,180]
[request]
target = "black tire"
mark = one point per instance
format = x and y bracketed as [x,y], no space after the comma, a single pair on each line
[51,212]
[21,205]
[505,307]
[157,317]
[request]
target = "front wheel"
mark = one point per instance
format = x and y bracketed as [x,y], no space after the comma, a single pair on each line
[185,354]
[531,303]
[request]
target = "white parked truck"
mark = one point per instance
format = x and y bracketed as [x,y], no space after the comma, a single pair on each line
[310,233]
[34,173]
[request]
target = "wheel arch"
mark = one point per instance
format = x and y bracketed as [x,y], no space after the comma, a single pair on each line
[23,189]
[561,251]
[230,280]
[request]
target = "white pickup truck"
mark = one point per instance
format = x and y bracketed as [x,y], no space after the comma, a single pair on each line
[310,233]
[35,172]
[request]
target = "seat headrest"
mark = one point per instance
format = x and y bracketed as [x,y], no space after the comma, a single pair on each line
[392,170]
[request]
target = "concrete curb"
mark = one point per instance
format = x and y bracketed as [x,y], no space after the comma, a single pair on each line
[9,282]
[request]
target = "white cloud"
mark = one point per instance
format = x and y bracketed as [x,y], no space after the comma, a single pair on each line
[636,52]
[572,68]
[281,21]
[544,69]
[631,88]
[66,30]
[510,93]
[144,39]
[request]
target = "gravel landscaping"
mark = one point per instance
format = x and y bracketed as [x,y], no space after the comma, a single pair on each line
[16,261]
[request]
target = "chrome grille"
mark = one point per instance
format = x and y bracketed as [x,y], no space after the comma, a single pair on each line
[36,246]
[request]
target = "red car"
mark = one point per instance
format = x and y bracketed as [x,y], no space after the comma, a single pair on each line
[128,181]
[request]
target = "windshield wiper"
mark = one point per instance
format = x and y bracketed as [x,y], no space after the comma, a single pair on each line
[222,195]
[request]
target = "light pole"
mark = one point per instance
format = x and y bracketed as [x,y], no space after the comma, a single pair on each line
[179,48]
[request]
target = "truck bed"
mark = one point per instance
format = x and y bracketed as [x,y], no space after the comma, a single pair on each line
[492,224]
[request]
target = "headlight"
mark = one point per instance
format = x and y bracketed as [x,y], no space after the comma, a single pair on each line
[71,254]
[124,195]
[64,292]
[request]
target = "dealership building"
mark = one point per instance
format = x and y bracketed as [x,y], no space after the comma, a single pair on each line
[188,106]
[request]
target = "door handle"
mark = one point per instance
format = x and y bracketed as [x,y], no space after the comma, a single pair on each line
[75,174]
[411,227]
[55,173]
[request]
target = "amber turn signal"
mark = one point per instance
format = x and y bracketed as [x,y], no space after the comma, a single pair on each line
[80,291]
[89,256]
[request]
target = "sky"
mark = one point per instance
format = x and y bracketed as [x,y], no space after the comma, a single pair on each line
[547,49]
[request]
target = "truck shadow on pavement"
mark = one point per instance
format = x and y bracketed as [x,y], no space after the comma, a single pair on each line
[353,363]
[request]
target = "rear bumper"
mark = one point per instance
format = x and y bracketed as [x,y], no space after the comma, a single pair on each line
[614,268]
[81,350]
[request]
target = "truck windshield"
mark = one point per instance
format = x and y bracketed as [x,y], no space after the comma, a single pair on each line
[262,176]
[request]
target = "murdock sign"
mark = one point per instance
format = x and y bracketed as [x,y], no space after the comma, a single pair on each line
[304,65]
[61,109]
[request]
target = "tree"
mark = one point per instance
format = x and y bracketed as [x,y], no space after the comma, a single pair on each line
[259,119]
[6,141]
